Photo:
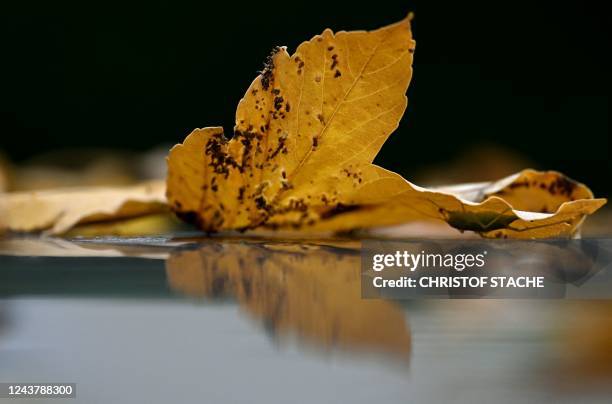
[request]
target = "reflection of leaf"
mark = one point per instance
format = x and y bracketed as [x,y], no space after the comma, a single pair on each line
[151,248]
[56,211]
[308,290]
[307,131]
[585,343]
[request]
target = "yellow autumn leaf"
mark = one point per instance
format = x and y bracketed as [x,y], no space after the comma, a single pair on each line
[56,211]
[306,133]
[148,224]
[529,204]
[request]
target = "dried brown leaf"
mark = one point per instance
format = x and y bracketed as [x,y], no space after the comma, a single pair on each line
[56,211]
[307,131]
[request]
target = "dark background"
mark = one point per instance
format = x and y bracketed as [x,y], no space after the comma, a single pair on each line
[527,75]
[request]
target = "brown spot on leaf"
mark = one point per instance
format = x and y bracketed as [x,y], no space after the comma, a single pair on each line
[339,209]
[315,142]
[562,185]
[267,74]
[278,102]
[220,161]
[281,147]
[334,62]
[515,185]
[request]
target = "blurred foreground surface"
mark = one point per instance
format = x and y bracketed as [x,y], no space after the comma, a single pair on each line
[232,321]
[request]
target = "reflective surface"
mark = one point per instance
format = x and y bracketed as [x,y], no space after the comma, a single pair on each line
[254,321]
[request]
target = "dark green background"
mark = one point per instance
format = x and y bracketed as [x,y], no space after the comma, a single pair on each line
[529,75]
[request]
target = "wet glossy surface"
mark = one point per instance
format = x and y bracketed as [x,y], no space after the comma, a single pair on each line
[235,321]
